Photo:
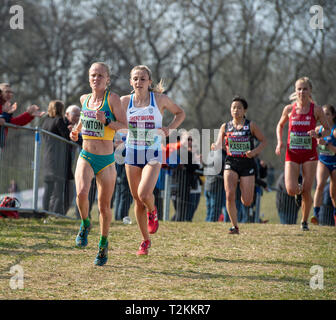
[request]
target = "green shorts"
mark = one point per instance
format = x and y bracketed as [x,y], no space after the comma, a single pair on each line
[97,162]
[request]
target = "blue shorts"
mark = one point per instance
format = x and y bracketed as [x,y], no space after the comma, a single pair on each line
[330,166]
[140,158]
[97,162]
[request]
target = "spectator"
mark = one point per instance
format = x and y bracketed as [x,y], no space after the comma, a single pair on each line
[72,115]
[286,204]
[6,110]
[327,217]
[214,186]
[251,213]
[195,182]
[158,192]
[270,177]
[122,199]
[55,167]
[13,187]
[186,180]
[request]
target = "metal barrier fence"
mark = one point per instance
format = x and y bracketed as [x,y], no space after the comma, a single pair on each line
[40,163]
[35,167]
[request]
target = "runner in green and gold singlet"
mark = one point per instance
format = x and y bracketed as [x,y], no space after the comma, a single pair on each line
[101,116]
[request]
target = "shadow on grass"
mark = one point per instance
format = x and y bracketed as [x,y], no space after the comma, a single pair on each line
[206,275]
[273,262]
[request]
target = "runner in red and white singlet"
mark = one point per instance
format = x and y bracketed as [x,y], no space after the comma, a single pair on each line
[301,153]
[301,147]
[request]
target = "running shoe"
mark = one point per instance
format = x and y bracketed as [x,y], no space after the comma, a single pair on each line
[234,230]
[82,236]
[153,221]
[304,226]
[144,246]
[314,220]
[102,255]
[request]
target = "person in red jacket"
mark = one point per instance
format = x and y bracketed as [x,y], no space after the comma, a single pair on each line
[7,109]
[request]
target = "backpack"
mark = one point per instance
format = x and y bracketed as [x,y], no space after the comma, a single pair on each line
[9,202]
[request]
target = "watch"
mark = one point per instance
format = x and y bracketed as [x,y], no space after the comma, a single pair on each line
[107,122]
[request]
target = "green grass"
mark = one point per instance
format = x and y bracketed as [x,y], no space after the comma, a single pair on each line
[195,260]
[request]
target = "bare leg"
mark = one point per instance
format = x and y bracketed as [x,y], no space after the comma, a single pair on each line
[308,173]
[83,177]
[105,185]
[230,184]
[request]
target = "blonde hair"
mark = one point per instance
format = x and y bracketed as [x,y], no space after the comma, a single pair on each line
[55,108]
[159,88]
[293,96]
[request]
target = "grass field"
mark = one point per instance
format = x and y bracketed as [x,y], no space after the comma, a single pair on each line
[195,260]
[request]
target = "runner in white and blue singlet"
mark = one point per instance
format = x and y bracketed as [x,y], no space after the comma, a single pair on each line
[143,143]
[144,109]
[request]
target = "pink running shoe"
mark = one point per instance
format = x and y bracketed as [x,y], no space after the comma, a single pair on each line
[153,221]
[144,246]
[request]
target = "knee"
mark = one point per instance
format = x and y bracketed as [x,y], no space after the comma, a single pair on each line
[247,201]
[82,196]
[230,196]
[291,191]
[144,197]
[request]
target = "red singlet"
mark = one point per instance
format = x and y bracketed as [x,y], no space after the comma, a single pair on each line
[300,146]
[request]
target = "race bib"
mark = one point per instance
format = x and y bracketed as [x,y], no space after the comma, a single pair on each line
[323,150]
[300,141]
[142,134]
[238,146]
[90,125]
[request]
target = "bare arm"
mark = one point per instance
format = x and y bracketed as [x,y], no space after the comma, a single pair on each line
[320,116]
[279,129]
[261,138]
[164,102]
[219,142]
[77,128]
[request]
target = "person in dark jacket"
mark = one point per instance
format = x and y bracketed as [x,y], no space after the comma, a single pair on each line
[54,158]
[286,204]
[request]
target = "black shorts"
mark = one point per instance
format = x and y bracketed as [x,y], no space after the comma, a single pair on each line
[242,166]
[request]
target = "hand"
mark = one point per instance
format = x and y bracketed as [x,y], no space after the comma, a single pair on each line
[100,115]
[250,154]
[321,141]
[34,111]
[7,107]
[313,134]
[214,147]
[75,131]
[278,149]
[74,135]
[2,121]
[165,131]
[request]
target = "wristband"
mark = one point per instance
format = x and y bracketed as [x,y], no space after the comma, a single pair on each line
[107,122]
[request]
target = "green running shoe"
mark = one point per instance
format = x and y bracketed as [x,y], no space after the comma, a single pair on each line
[82,236]
[102,255]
